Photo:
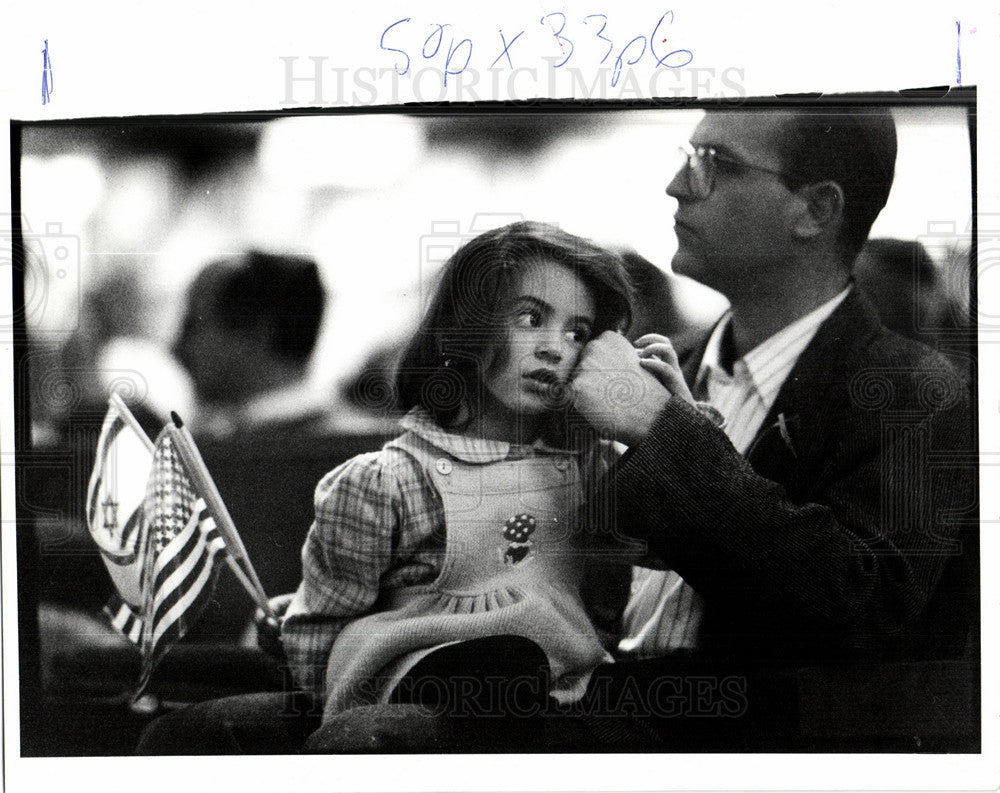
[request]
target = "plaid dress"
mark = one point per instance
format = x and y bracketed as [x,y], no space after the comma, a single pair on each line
[384,583]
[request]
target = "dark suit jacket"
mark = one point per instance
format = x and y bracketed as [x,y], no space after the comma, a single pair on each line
[850,527]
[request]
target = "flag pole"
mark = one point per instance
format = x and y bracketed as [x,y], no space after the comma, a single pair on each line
[206,486]
[119,404]
[146,644]
[258,597]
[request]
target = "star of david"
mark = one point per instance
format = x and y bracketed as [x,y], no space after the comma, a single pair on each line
[110,513]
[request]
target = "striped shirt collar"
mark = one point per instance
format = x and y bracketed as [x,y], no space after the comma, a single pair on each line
[467,448]
[769,363]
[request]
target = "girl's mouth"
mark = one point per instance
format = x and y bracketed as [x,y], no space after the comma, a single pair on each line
[544,377]
[547,384]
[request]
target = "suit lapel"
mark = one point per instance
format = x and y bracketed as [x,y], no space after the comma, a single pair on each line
[690,357]
[791,423]
[690,360]
[804,396]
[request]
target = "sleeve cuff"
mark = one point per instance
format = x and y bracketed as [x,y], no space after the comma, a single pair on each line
[712,414]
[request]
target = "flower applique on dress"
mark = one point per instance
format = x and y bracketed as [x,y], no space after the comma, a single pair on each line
[517,531]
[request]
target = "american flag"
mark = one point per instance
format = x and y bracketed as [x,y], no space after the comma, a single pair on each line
[182,548]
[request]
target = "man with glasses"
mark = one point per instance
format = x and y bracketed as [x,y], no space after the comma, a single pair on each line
[830,513]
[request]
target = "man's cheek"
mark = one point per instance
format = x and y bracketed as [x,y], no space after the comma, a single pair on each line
[617,357]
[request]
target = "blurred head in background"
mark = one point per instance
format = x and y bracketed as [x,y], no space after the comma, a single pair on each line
[655,304]
[903,283]
[250,325]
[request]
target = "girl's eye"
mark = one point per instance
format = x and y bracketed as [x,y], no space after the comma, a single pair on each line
[580,334]
[528,318]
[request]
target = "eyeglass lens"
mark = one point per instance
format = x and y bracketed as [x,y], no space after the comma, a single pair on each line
[700,172]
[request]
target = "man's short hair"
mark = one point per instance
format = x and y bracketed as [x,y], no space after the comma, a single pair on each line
[854,147]
[280,291]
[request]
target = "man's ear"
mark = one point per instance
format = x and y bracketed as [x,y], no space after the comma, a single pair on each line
[822,208]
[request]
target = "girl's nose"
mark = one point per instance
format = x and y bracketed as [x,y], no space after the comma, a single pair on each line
[550,348]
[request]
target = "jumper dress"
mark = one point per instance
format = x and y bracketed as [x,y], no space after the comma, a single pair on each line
[513,563]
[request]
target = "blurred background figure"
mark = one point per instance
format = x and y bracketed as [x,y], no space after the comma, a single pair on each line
[246,339]
[266,429]
[172,303]
[657,308]
[904,284]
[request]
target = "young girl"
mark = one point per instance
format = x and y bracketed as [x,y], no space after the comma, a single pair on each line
[464,527]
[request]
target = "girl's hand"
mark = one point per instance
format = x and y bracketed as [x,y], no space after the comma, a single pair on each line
[269,629]
[657,356]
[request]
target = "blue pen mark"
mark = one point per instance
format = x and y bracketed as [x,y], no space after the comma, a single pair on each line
[558,36]
[48,84]
[618,61]
[680,53]
[958,52]
[506,49]
[600,33]
[381,44]
[440,38]
[452,50]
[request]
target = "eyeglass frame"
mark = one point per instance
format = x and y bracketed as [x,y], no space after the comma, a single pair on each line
[710,154]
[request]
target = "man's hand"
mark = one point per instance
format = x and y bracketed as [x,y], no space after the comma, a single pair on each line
[269,628]
[615,392]
[657,355]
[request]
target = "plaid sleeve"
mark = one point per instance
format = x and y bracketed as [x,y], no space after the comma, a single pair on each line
[354,541]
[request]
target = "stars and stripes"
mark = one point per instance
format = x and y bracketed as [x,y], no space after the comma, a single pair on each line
[152,510]
[124,619]
[183,545]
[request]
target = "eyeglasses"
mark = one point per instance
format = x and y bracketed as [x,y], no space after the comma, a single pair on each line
[702,163]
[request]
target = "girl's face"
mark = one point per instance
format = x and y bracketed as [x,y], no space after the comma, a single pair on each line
[551,318]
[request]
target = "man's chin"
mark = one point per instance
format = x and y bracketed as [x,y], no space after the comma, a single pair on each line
[687,264]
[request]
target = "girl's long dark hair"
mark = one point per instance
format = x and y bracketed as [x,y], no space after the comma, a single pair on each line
[462,332]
